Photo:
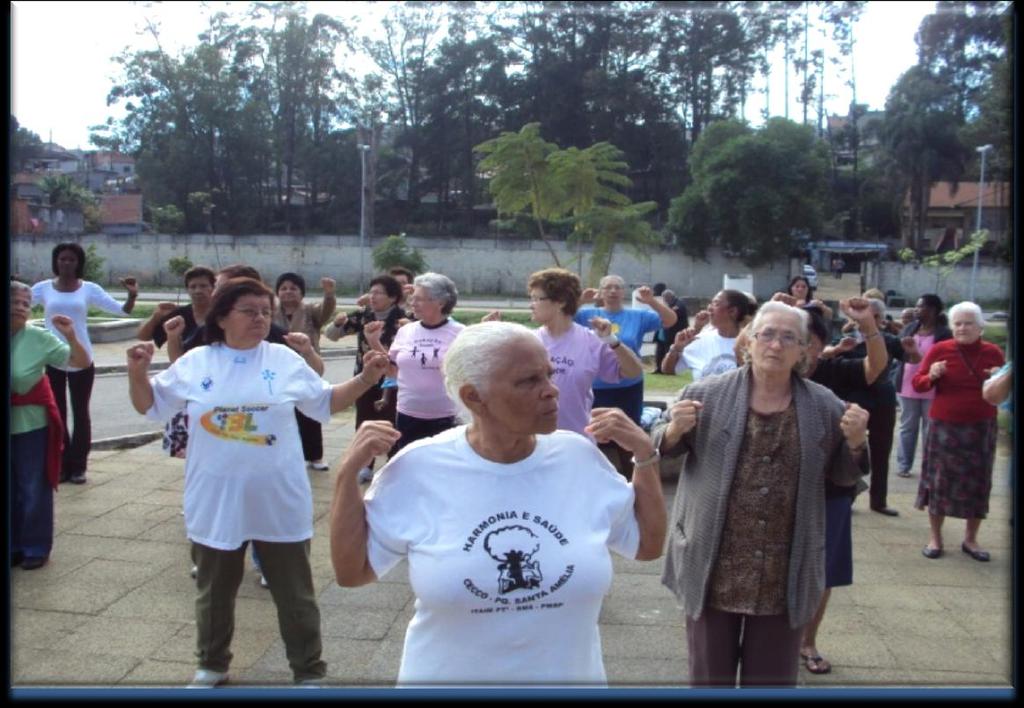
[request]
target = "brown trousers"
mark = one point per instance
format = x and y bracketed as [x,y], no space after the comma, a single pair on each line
[765,649]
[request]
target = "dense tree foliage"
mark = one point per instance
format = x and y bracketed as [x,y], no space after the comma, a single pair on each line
[276,120]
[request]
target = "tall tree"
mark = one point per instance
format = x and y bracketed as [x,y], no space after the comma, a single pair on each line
[920,134]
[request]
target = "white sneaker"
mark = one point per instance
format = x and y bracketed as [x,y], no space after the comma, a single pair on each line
[263,581]
[319,466]
[365,475]
[205,678]
[195,571]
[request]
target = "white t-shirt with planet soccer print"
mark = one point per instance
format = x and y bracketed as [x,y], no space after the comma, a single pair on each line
[245,477]
[509,562]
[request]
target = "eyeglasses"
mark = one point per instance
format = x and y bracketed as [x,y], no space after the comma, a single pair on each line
[253,314]
[786,339]
[538,299]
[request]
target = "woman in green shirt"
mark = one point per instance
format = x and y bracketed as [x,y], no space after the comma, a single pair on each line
[36,428]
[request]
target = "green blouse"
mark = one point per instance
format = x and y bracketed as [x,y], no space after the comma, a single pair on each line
[32,348]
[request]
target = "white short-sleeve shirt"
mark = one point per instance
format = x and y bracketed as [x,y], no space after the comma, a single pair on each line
[509,562]
[245,477]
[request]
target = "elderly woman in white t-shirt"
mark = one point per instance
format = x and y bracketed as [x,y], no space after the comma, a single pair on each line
[244,474]
[505,522]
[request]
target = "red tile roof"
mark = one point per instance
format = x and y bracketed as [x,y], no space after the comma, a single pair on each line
[996,194]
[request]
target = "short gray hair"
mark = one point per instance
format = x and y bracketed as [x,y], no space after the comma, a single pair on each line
[967,307]
[781,308]
[476,355]
[441,289]
[608,277]
[18,285]
[877,306]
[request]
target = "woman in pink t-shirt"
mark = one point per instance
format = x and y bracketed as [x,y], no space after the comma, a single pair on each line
[928,328]
[417,351]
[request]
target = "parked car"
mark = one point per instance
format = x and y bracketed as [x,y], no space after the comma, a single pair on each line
[811,275]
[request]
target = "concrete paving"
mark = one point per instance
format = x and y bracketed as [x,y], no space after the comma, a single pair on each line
[114,606]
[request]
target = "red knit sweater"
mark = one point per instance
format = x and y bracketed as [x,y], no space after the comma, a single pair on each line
[958,392]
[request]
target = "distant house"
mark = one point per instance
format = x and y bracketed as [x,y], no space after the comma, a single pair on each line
[25,185]
[30,217]
[839,130]
[121,214]
[952,213]
[120,164]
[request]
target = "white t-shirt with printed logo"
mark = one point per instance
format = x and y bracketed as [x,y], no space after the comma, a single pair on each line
[509,562]
[245,478]
[710,353]
[419,351]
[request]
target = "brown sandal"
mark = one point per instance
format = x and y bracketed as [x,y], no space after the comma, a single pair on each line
[816,663]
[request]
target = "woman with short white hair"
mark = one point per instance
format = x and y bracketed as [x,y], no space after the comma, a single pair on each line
[416,355]
[745,556]
[505,522]
[959,450]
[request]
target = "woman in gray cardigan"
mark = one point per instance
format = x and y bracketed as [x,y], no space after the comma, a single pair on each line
[746,553]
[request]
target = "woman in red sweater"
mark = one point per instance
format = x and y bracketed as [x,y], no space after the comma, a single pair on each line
[956,472]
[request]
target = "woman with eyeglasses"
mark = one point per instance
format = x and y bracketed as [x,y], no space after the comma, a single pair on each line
[244,476]
[579,355]
[745,553]
[710,350]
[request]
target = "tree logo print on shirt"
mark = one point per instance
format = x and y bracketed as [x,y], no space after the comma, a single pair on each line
[513,547]
[268,376]
[720,364]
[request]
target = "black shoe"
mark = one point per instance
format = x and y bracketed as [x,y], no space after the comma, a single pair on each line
[931,553]
[888,511]
[16,558]
[78,478]
[33,563]
[982,556]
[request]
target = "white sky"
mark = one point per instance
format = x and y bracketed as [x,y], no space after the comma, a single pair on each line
[61,68]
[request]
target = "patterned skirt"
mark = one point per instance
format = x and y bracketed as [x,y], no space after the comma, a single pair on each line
[956,471]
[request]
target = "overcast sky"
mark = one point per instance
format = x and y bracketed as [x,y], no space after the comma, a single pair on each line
[62,69]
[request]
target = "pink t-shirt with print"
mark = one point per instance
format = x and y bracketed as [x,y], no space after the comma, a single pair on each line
[578,357]
[419,350]
[924,343]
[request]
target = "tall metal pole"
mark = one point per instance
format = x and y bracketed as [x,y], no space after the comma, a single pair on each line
[981,189]
[362,215]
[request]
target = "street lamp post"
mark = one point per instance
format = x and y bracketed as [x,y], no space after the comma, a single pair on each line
[981,189]
[363,149]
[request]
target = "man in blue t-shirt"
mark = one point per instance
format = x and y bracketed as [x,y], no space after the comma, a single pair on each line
[629,328]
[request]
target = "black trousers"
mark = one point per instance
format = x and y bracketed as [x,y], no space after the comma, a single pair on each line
[881,430]
[76,445]
[312,437]
[413,429]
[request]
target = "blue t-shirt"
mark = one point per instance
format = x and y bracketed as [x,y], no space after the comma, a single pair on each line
[629,326]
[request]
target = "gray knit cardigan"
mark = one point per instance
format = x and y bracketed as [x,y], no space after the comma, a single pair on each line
[712,451]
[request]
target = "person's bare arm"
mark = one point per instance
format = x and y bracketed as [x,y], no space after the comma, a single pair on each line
[78,357]
[666,313]
[630,365]
[611,424]
[998,388]
[147,328]
[877,359]
[348,530]
[139,389]
[345,394]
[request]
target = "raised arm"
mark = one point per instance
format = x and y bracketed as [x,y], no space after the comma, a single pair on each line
[139,388]
[327,306]
[349,533]
[304,346]
[149,327]
[666,313]
[997,388]
[859,311]
[78,357]
[611,424]
[132,286]
[630,365]
[345,394]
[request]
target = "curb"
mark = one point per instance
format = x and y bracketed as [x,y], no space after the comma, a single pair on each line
[127,442]
[105,369]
